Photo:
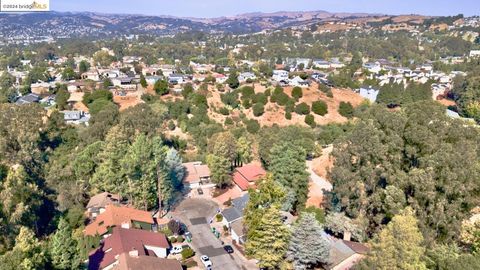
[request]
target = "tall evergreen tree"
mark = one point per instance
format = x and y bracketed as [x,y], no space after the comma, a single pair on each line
[287,164]
[307,248]
[269,242]
[63,248]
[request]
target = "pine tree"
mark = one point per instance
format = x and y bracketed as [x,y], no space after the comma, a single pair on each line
[307,247]
[287,163]
[269,242]
[63,248]
[143,82]
[173,162]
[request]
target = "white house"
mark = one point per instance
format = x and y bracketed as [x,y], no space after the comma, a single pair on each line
[474,53]
[297,81]
[280,75]
[244,76]
[321,64]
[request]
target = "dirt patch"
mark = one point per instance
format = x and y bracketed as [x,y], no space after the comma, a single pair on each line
[315,196]
[128,101]
[447,102]
[324,163]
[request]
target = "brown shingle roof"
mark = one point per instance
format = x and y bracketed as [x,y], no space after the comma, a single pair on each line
[195,171]
[127,262]
[116,216]
[125,240]
[103,199]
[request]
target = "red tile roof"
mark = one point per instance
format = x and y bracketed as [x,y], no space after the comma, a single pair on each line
[195,171]
[116,216]
[247,175]
[125,240]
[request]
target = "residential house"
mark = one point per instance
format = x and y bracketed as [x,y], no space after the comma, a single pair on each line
[91,75]
[280,75]
[76,117]
[246,76]
[335,63]
[197,175]
[220,78]
[238,232]
[344,254]
[132,241]
[40,88]
[235,211]
[246,176]
[297,81]
[131,261]
[373,67]
[119,216]
[321,64]
[176,79]
[474,53]
[369,93]
[98,203]
[151,80]
[125,83]
[28,99]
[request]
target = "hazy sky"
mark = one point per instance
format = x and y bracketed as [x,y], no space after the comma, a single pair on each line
[216,8]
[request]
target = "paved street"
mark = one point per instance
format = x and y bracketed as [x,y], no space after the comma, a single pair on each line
[196,214]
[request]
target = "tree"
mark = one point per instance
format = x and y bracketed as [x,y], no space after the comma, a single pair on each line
[27,254]
[173,161]
[302,108]
[320,107]
[310,120]
[220,168]
[187,90]
[307,247]
[107,83]
[345,109]
[63,248]
[287,164]
[389,251]
[244,150]
[224,145]
[297,92]
[83,66]
[269,242]
[232,80]
[341,225]
[143,81]
[416,159]
[269,193]
[68,74]
[161,87]
[258,109]
[61,98]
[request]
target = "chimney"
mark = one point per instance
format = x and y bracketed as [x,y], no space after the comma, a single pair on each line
[133,253]
[347,235]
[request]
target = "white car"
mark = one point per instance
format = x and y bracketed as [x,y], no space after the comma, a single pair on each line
[176,250]
[206,261]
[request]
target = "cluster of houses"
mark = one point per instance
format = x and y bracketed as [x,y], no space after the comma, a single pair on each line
[129,237]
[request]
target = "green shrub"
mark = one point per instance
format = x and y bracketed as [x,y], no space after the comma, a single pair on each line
[172,239]
[187,253]
[267,92]
[228,121]
[171,125]
[320,107]
[247,92]
[219,217]
[302,108]
[346,109]
[297,92]
[288,115]
[252,126]
[260,98]
[258,109]
[224,111]
[246,103]
[318,212]
[310,120]
[180,239]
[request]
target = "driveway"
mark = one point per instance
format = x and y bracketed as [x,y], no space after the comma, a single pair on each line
[196,214]
[318,180]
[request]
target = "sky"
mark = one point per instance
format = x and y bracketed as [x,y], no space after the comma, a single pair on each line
[218,8]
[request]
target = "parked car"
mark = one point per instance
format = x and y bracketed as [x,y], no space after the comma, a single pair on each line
[200,191]
[176,250]
[206,261]
[228,248]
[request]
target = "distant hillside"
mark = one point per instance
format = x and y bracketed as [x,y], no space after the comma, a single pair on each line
[87,24]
